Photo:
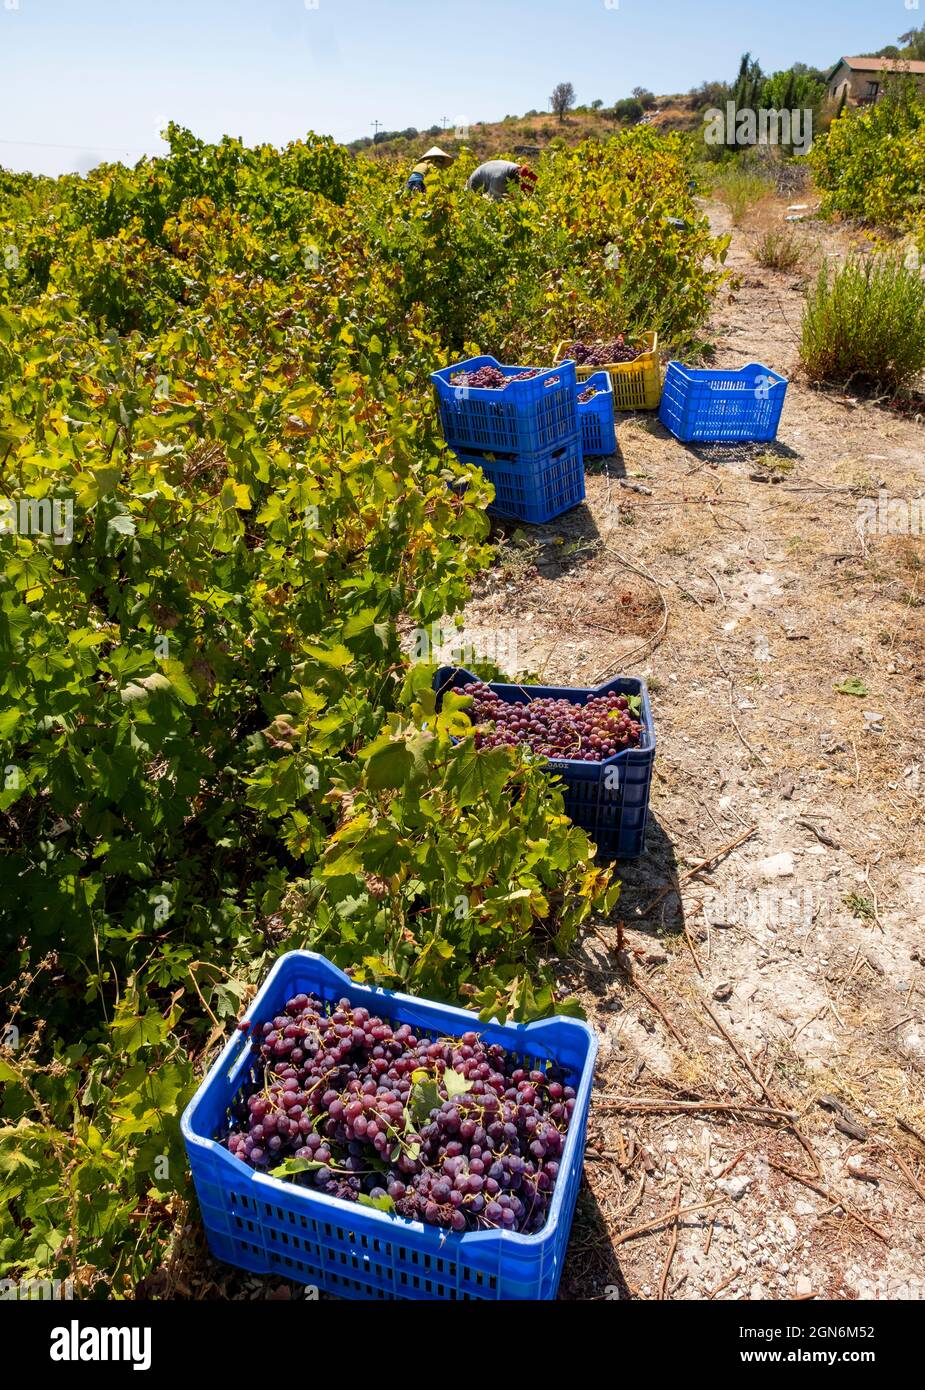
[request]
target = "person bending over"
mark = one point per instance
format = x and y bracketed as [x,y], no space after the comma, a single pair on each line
[435,158]
[497,177]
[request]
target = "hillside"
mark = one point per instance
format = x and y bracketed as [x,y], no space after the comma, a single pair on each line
[535,129]
[799,85]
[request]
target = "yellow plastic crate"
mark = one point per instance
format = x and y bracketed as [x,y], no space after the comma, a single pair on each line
[637,385]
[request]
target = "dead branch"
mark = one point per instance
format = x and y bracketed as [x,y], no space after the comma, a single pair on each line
[910,1175]
[698,868]
[672,1245]
[656,1104]
[765,1091]
[829,1196]
[674,1215]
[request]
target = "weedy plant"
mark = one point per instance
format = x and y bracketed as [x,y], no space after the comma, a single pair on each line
[864,324]
[740,191]
[778,249]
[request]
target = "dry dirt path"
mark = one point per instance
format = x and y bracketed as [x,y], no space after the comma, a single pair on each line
[806,941]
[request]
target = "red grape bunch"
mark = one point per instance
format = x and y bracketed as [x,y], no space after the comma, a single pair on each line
[490,378]
[367,1103]
[588,394]
[591,732]
[603,354]
[485,379]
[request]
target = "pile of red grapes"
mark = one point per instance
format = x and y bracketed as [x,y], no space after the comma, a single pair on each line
[586,733]
[485,379]
[588,394]
[366,1102]
[490,378]
[603,354]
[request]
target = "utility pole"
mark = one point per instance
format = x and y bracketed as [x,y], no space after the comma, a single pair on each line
[445,122]
[377,126]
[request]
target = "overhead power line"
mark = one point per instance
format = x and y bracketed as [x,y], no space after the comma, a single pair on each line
[88,148]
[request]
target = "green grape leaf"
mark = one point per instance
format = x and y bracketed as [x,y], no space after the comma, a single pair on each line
[455,1084]
[383,1203]
[852,686]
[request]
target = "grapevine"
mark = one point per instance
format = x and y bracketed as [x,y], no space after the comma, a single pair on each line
[216,363]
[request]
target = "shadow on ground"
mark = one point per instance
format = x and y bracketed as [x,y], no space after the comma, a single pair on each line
[592,1270]
[644,904]
[649,905]
[564,544]
[762,455]
[607,465]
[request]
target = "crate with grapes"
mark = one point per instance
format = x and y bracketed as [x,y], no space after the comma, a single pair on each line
[596,417]
[630,360]
[382,1146]
[486,406]
[599,741]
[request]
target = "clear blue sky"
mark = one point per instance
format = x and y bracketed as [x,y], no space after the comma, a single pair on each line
[99,78]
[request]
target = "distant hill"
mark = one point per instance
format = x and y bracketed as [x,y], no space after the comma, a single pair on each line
[530,132]
[535,130]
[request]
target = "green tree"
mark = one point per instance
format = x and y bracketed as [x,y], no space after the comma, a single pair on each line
[914,44]
[871,163]
[563,99]
[789,95]
[748,84]
[628,111]
[709,94]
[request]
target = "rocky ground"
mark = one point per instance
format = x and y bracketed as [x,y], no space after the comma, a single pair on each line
[762,1062]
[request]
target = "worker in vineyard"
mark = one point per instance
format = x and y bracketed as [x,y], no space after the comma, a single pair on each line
[434,158]
[497,177]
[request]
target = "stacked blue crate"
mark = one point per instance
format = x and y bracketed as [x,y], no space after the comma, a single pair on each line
[524,437]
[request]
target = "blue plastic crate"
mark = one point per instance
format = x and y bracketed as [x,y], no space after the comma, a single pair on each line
[533,487]
[610,800]
[596,417]
[742,406]
[271,1226]
[523,417]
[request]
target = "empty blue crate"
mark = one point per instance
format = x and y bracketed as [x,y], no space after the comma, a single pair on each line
[522,417]
[281,1229]
[533,487]
[596,417]
[735,406]
[610,800]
